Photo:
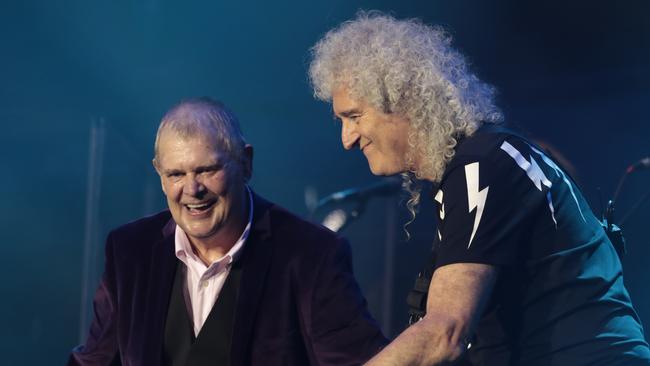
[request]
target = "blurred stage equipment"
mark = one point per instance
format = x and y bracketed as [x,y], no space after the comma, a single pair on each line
[639,165]
[338,218]
[107,145]
[608,218]
[91,223]
[337,210]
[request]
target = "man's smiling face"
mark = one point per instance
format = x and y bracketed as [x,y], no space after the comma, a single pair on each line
[382,137]
[205,188]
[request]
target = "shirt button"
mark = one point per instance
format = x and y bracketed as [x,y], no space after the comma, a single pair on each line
[204,284]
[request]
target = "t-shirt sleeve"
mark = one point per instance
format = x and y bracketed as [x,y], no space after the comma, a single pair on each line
[485,208]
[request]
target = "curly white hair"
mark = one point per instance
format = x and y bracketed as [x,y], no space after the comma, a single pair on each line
[409,68]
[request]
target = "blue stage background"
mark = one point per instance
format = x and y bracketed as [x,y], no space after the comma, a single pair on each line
[574,74]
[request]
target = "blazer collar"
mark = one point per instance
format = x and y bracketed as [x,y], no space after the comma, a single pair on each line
[170,228]
[255,258]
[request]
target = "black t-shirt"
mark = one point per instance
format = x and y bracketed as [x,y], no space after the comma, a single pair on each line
[559,298]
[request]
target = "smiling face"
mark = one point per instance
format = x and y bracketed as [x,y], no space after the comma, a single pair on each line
[205,189]
[382,137]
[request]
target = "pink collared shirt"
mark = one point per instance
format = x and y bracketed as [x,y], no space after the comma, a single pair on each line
[203,283]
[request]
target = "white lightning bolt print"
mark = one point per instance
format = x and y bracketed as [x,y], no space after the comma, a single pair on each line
[438,199]
[475,198]
[534,172]
[561,173]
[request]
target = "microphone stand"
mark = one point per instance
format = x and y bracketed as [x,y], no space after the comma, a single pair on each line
[636,206]
[614,231]
[338,219]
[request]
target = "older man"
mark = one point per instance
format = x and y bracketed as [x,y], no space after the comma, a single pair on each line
[524,274]
[223,277]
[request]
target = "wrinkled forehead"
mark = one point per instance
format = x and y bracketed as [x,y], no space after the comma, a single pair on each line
[200,116]
[217,135]
[173,142]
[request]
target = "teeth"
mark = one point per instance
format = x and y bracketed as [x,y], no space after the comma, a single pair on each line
[197,206]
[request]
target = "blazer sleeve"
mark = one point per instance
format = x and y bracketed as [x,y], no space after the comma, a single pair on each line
[101,346]
[342,330]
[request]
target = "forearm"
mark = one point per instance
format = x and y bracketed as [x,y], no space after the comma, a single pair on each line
[457,294]
[341,331]
[427,342]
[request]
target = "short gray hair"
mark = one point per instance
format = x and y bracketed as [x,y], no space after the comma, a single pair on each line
[205,117]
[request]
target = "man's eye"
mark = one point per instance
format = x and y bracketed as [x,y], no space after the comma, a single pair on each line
[207,172]
[210,170]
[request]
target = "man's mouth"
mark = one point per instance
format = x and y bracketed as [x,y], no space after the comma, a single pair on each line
[199,208]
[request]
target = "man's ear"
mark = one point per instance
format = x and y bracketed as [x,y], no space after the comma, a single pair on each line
[247,162]
[156,166]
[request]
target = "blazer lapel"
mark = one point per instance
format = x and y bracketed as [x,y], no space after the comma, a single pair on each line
[255,258]
[161,277]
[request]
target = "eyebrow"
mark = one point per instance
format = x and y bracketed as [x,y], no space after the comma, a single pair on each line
[216,166]
[172,171]
[348,113]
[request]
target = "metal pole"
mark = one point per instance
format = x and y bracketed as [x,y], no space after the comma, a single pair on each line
[93,190]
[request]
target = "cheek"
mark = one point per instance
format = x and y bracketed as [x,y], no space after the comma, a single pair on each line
[401,139]
[216,186]
[226,182]
[172,189]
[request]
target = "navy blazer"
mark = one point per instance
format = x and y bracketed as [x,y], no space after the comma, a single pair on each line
[298,303]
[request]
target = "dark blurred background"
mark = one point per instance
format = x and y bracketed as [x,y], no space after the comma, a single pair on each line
[84,83]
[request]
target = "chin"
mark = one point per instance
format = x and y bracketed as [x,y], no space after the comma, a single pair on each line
[380,172]
[200,232]
[375,172]
[201,235]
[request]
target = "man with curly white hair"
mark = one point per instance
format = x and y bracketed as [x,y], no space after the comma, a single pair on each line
[524,274]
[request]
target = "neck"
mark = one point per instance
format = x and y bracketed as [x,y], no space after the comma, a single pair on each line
[216,247]
[417,171]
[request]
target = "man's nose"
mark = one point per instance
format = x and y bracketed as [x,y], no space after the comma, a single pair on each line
[349,135]
[193,185]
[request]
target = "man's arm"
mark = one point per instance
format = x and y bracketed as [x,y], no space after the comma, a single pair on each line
[341,330]
[457,295]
